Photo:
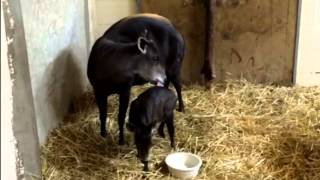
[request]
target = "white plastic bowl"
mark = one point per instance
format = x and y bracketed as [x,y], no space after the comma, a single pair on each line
[183,165]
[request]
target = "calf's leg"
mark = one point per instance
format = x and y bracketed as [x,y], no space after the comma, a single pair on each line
[170,126]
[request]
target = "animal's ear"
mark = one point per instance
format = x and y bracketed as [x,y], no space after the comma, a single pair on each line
[142,44]
[143,41]
[145,33]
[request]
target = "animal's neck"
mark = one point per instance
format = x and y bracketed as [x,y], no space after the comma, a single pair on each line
[120,44]
[128,48]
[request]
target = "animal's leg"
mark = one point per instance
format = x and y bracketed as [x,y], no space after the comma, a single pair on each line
[167,82]
[177,85]
[145,166]
[123,101]
[102,102]
[170,126]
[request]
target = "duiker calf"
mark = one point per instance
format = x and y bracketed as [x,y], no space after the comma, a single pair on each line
[153,109]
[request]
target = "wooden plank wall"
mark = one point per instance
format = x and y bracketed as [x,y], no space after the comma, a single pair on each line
[189,18]
[254,39]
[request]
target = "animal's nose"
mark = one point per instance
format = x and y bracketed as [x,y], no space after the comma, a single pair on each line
[160,81]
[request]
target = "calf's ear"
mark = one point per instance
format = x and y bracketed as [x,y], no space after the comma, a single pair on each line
[142,44]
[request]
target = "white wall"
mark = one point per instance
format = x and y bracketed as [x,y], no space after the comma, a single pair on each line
[103,13]
[8,141]
[308,48]
[19,132]
[57,46]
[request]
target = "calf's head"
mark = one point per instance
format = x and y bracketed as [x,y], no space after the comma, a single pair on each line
[138,124]
[143,141]
[151,64]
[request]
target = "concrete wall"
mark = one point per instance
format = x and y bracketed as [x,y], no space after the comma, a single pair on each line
[57,45]
[8,141]
[254,39]
[20,148]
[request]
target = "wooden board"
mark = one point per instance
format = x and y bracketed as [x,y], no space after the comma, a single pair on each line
[189,19]
[254,39]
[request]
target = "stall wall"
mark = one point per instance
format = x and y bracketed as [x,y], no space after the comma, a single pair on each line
[308,56]
[103,13]
[254,39]
[57,46]
[8,141]
[189,19]
[20,155]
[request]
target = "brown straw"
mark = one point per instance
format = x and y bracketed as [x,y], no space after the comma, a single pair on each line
[240,130]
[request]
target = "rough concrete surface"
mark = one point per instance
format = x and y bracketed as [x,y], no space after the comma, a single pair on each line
[8,141]
[27,162]
[57,48]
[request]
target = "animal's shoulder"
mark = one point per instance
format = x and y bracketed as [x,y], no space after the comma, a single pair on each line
[149,16]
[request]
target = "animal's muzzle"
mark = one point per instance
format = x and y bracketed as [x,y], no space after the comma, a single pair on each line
[159,81]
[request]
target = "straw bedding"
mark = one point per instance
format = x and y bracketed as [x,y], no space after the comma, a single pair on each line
[240,130]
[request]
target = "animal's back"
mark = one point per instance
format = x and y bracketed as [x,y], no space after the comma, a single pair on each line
[156,103]
[131,27]
[159,95]
[166,35]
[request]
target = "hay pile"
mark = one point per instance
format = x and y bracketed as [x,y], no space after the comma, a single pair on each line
[241,131]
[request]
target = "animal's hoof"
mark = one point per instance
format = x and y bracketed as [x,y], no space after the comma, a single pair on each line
[144,176]
[161,134]
[146,168]
[145,165]
[181,109]
[103,134]
[121,142]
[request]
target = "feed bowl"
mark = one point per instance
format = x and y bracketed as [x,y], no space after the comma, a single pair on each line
[183,165]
